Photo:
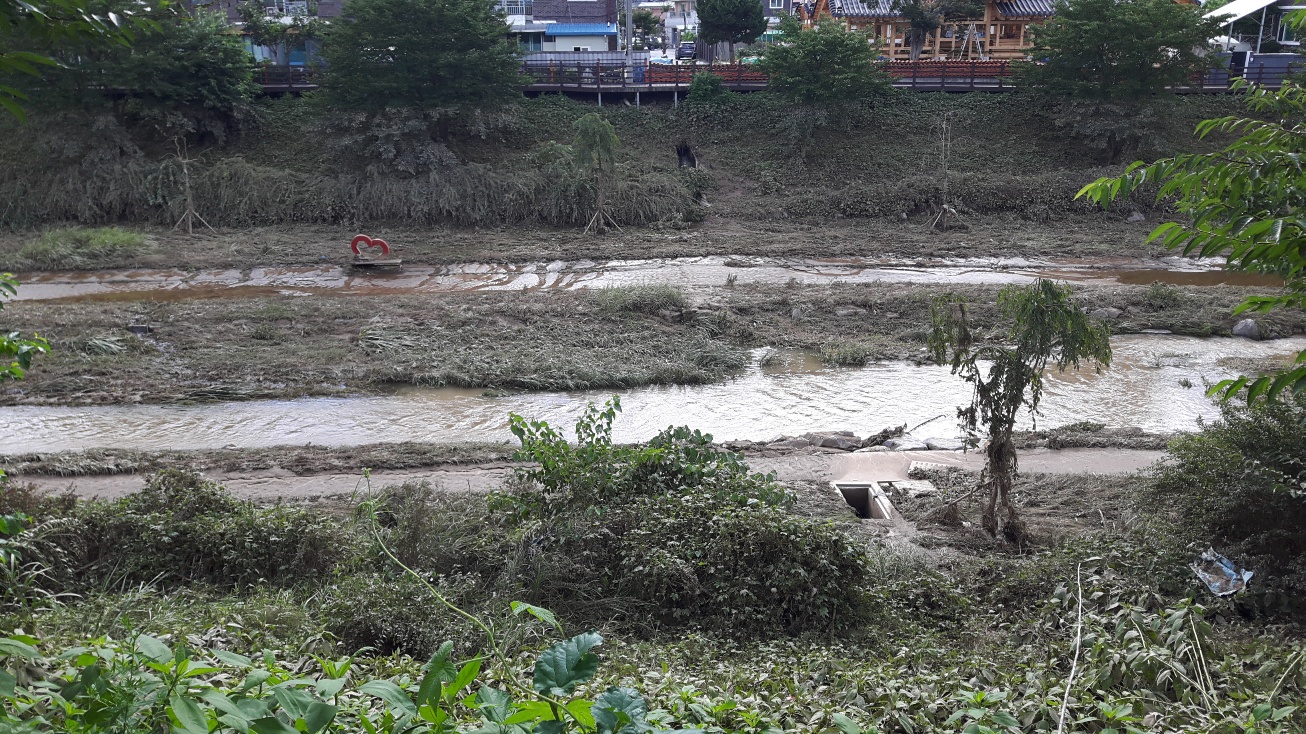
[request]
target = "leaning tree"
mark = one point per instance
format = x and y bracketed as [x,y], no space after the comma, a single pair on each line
[1039,325]
[594,153]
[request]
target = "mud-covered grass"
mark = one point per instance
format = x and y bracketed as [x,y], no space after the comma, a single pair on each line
[285,347]
[991,236]
[298,460]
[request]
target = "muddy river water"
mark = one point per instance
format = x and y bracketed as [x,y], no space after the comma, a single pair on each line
[691,272]
[1155,383]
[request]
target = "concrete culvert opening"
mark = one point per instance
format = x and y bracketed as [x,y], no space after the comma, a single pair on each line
[867,499]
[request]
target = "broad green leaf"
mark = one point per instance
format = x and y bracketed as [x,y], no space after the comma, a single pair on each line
[271,725]
[465,676]
[154,649]
[8,683]
[188,716]
[549,727]
[392,695]
[318,716]
[530,711]
[231,658]
[17,648]
[567,664]
[493,704]
[846,725]
[540,613]
[616,708]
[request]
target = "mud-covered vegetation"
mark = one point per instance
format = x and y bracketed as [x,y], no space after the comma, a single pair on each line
[563,340]
[305,163]
[756,616]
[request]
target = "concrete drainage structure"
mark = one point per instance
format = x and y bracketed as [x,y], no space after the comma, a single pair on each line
[868,499]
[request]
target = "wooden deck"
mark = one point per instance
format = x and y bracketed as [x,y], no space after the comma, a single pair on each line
[598,78]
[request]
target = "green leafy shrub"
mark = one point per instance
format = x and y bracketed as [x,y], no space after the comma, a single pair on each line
[684,531]
[389,615]
[80,248]
[184,529]
[705,90]
[646,299]
[1240,484]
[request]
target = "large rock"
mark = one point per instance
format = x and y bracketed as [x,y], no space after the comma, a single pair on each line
[906,443]
[790,443]
[1248,329]
[871,450]
[841,440]
[1106,314]
[944,444]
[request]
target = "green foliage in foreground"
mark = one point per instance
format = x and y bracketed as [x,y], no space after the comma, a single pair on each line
[16,352]
[1241,484]
[142,684]
[82,248]
[1243,203]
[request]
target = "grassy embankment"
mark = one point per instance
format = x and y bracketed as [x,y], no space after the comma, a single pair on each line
[564,340]
[296,187]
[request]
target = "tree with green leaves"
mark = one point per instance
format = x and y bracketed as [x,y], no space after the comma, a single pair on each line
[1108,50]
[1243,203]
[730,21]
[29,27]
[644,23]
[1106,64]
[824,65]
[16,352]
[927,16]
[1041,326]
[420,55]
[182,74]
[594,153]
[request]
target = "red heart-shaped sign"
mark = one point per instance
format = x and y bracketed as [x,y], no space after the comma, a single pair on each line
[363,239]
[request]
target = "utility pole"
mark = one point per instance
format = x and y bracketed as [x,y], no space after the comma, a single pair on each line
[629,38]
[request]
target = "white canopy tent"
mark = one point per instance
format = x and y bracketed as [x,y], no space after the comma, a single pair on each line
[1239,9]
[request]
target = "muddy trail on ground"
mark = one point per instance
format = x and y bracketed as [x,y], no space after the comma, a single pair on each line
[282,486]
[687,273]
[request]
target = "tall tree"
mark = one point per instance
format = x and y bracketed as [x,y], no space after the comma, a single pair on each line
[730,21]
[182,73]
[927,16]
[1119,49]
[823,65]
[1106,64]
[1243,203]
[420,54]
[28,27]
[1042,326]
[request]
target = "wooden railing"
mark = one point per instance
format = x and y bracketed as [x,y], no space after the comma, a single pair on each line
[937,76]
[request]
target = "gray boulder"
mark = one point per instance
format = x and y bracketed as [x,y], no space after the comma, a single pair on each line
[1106,314]
[871,450]
[838,440]
[1137,217]
[790,443]
[1248,329]
[906,443]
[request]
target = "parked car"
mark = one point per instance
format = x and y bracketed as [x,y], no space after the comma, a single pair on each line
[686,50]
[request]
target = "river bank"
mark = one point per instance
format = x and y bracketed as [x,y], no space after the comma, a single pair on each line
[284,347]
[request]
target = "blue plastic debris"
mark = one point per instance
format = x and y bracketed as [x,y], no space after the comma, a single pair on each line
[1221,575]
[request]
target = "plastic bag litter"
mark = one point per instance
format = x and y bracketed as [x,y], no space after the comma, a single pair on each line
[1221,575]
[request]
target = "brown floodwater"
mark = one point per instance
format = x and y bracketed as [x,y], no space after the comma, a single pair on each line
[1155,383]
[696,272]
